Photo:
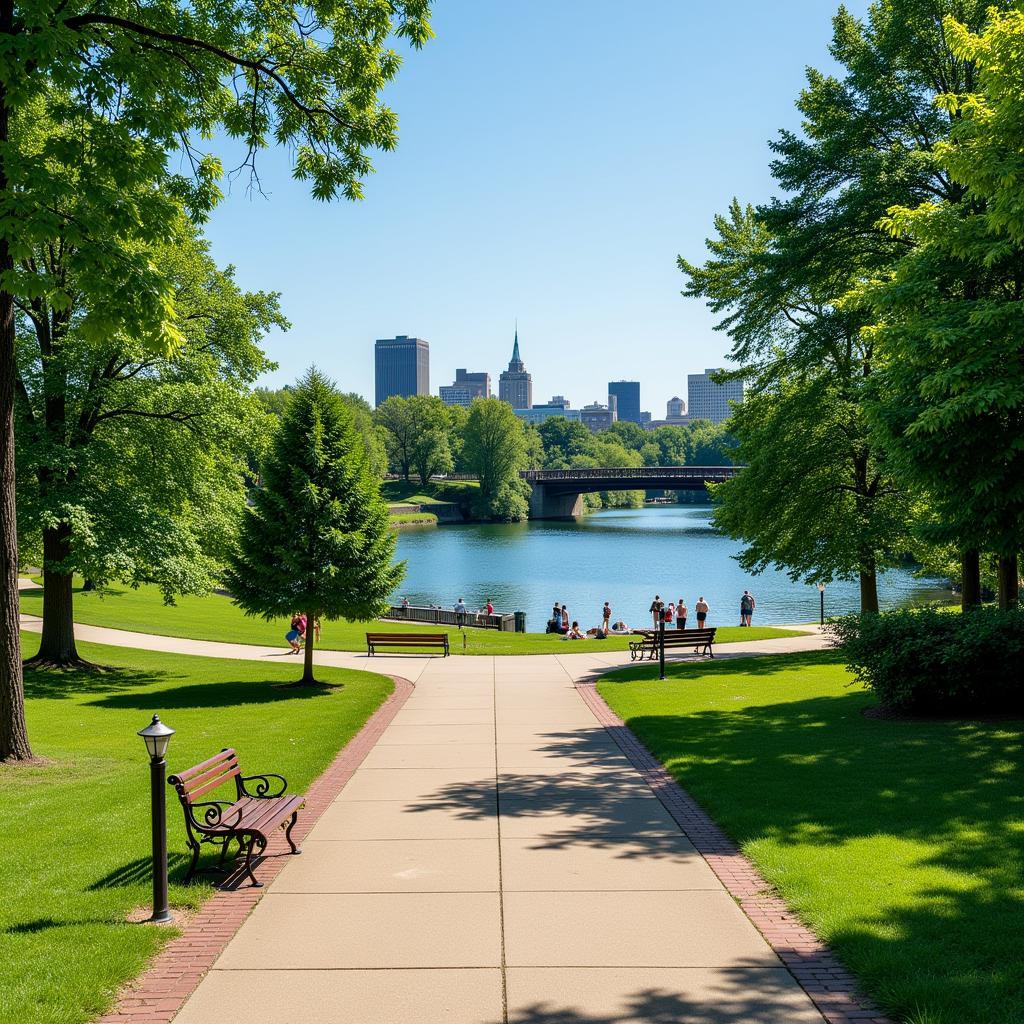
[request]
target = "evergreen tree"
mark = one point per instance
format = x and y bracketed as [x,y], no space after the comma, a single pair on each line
[316,539]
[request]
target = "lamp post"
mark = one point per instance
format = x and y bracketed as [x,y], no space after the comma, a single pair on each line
[661,642]
[821,592]
[157,736]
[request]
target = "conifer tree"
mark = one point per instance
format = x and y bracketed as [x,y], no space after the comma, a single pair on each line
[316,539]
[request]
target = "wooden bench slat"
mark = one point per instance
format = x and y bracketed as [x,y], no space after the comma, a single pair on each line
[374,640]
[212,783]
[223,770]
[196,768]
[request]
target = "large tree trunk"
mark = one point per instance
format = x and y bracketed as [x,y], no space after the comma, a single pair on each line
[14,744]
[868,583]
[57,644]
[307,663]
[1009,582]
[970,592]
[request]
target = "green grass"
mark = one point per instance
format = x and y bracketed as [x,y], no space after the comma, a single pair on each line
[454,492]
[413,519]
[74,844]
[213,617]
[900,843]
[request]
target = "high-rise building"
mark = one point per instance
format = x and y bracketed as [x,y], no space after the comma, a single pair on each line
[467,386]
[478,383]
[627,394]
[596,417]
[515,385]
[456,394]
[401,367]
[675,411]
[710,401]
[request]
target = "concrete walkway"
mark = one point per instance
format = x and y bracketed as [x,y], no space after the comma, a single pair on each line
[496,859]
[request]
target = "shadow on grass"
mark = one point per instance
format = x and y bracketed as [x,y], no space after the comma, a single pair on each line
[212,695]
[876,804]
[57,684]
[140,872]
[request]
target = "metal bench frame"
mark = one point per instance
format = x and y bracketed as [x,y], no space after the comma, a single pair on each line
[699,639]
[259,807]
[375,640]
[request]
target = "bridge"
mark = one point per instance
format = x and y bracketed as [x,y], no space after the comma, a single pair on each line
[558,493]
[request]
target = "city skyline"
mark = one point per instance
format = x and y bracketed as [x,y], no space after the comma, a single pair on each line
[575,232]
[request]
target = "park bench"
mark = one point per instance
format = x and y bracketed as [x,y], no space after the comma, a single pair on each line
[260,806]
[374,640]
[647,647]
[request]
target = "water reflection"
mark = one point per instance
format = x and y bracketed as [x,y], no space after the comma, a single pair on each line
[624,556]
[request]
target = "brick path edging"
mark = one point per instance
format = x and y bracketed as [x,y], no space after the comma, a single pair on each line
[814,966]
[160,992]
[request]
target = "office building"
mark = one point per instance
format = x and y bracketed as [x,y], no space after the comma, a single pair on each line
[675,415]
[627,395]
[558,406]
[479,384]
[645,419]
[456,394]
[401,367]
[596,417]
[515,385]
[710,401]
[467,386]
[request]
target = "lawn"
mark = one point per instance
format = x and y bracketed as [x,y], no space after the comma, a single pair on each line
[413,519]
[454,492]
[214,617]
[74,847]
[901,843]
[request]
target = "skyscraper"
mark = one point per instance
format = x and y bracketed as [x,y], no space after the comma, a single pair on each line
[627,393]
[515,385]
[710,401]
[401,367]
[478,383]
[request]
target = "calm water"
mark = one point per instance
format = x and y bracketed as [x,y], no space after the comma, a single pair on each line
[624,556]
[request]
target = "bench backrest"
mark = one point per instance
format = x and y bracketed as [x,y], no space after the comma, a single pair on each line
[382,638]
[200,779]
[681,636]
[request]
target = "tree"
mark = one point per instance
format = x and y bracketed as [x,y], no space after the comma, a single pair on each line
[142,85]
[431,452]
[949,390]
[395,417]
[807,500]
[786,277]
[317,537]
[564,440]
[496,452]
[94,497]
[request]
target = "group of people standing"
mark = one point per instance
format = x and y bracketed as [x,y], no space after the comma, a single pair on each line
[678,613]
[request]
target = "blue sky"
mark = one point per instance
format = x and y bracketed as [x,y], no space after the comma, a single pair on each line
[555,157]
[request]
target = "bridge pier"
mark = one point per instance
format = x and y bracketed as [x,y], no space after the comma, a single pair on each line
[548,504]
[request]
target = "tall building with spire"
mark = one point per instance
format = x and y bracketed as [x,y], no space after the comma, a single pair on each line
[515,385]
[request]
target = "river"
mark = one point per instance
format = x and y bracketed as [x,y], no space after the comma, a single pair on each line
[624,556]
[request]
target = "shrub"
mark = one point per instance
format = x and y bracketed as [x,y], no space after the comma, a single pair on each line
[932,661]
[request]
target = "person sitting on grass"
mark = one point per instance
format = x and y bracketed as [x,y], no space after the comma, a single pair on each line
[620,627]
[574,633]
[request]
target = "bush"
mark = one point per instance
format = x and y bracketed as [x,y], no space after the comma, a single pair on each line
[933,661]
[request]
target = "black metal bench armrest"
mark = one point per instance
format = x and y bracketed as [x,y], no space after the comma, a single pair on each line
[213,817]
[263,786]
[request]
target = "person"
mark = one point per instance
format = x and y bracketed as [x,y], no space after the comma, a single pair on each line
[681,612]
[574,633]
[656,605]
[618,626]
[606,615]
[294,635]
[556,613]
[670,614]
[702,608]
[747,605]
[460,607]
[565,619]
[488,608]
[316,629]
[405,605]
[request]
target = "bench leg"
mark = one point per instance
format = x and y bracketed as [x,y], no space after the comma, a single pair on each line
[247,866]
[288,833]
[194,863]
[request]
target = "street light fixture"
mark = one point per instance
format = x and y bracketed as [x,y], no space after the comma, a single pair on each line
[821,591]
[157,738]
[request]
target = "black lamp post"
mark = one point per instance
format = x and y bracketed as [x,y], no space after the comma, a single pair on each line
[661,642]
[821,591]
[157,736]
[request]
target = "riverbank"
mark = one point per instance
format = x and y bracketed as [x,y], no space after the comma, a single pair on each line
[214,618]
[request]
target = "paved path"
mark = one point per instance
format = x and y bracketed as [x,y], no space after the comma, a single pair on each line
[496,859]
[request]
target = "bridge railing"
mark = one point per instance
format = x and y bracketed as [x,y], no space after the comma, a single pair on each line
[504,621]
[712,473]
